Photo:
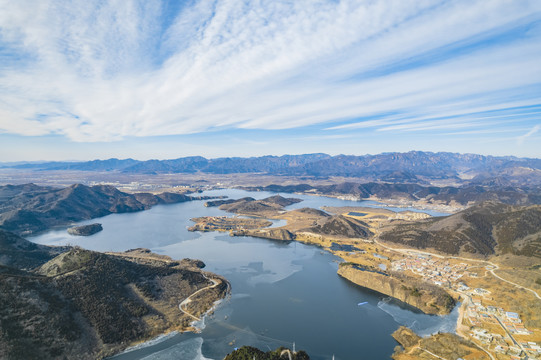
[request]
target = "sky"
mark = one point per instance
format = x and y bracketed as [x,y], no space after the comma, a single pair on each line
[83,80]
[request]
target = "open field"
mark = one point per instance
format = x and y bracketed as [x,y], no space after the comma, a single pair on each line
[144,182]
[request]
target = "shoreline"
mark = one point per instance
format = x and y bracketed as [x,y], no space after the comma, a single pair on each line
[193,327]
[391,203]
[154,341]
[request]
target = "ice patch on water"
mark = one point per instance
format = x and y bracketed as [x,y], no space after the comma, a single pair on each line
[200,325]
[185,350]
[240,296]
[422,324]
[158,339]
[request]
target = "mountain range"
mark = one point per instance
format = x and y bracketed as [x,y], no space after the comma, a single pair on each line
[410,167]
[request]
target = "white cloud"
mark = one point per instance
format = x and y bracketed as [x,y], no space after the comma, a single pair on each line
[97,71]
[522,138]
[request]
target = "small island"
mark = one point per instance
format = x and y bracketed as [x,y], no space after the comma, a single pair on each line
[85,230]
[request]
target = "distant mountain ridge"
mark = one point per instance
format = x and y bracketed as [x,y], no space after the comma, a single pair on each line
[393,167]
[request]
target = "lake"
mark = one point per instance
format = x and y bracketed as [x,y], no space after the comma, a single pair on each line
[283,294]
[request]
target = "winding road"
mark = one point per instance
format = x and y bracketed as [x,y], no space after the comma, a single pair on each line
[489,266]
[189,298]
[491,270]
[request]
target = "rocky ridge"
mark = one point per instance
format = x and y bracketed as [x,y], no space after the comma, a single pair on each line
[426,297]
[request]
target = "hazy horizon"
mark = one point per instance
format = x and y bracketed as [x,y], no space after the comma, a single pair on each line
[265,155]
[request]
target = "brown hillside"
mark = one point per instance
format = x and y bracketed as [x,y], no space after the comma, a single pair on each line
[339,225]
[485,229]
[29,208]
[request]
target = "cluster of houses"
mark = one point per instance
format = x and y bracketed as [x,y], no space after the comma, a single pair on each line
[477,313]
[445,274]
[481,316]
[440,272]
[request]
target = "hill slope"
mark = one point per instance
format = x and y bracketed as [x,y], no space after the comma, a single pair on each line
[29,208]
[486,229]
[339,225]
[22,254]
[251,206]
[84,304]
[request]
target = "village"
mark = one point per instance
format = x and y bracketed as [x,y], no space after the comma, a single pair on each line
[492,327]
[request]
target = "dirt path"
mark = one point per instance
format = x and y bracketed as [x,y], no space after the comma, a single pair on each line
[512,283]
[493,267]
[431,353]
[189,298]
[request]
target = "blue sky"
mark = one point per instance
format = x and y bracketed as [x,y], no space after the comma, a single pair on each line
[164,79]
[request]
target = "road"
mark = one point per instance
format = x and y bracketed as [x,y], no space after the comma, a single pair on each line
[491,270]
[512,283]
[460,327]
[489,266]
[189,298]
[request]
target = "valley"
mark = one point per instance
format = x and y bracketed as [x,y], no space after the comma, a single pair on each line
[482,255]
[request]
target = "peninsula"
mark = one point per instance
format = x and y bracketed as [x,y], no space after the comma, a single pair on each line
[90,305]
[231,224]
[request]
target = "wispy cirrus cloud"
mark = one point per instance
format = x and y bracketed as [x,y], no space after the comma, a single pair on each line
[104,70]
[532,131]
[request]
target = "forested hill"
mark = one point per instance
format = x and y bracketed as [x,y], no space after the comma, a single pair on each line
[446,195]
[30,208]
[67,303]
[488,228]
[411,167]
